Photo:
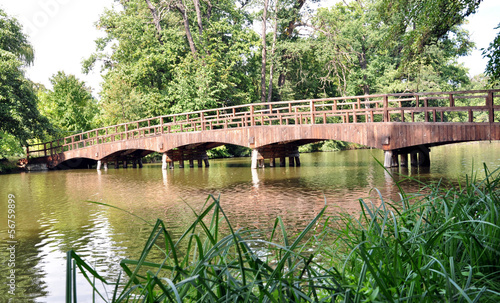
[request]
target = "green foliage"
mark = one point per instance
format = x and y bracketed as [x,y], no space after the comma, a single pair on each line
[151,73]
[442,246]
[19,115]
[10,146]
[69,106]
[366,59]
[493,55]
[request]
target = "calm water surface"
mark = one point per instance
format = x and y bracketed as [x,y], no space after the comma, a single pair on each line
[52,215]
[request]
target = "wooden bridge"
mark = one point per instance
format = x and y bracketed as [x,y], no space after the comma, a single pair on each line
[399,124]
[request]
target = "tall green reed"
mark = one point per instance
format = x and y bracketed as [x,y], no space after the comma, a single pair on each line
[443,245]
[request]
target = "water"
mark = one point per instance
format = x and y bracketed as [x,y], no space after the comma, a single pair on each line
[53,215]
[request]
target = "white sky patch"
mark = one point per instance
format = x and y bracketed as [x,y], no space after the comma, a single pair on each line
[63,32]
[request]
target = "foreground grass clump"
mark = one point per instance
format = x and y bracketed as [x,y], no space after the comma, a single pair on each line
[443,246]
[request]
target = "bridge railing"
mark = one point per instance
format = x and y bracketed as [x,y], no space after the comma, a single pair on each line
[463,106]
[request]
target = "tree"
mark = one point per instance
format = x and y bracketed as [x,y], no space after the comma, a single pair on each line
[19,115]
[493,55]
[160,65]
[69,106]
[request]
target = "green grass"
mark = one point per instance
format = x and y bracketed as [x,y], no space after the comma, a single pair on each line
[441,246]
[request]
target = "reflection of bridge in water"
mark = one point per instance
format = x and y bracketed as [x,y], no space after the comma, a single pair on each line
[399,124]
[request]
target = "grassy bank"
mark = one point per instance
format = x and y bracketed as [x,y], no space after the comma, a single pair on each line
[441,246]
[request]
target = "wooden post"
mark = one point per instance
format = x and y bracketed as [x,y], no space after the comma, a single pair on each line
[207,164]
[414,159]
[125,164]
[191,163]
[200,163]
[452,100]
[272,162]
[297,161]
[386,108]
[404,159]
[489,105]
[252,118]
[202,116]
[311,105]
[117,164]
[282,161]
[134,163]
[291,161]
[140,162]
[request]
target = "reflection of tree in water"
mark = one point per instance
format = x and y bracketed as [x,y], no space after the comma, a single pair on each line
[29,273]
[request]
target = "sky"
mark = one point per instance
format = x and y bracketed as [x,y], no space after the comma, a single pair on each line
[63,32]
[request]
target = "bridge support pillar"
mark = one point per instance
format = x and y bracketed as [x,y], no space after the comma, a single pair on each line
[117,164]
[125,164]
[105,165]
[255,155]
[139,162]
[414,159]
[282,161]
[200,163]
[207,164]
[181,163]
[134,163]
[191,163]
[272,162]
[164,161]
[297,161]
[404,160]
[390,158]
[291,161]
[99,165]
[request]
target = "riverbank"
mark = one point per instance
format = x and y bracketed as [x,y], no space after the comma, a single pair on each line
[439,246]
[9,165]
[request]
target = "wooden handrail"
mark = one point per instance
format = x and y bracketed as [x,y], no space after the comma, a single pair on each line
[358,109]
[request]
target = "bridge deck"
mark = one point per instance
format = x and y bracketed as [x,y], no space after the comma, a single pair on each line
[393,122]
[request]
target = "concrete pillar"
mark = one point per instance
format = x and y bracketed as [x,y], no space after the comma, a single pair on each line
[282,161]
[105,165]
[255,154]
[387,158]
[191,163]
[164,161]
[395,160]
[272,162]
[404,159]
[99,165]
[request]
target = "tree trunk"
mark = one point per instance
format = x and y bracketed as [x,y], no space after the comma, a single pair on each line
[156,20]
[180,7]
[273,49]
[363,63]
[264,49]
[198,16]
